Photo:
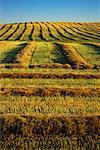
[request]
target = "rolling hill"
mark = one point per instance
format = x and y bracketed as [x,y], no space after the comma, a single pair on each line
[49,85]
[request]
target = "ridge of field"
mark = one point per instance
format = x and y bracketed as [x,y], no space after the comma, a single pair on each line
[49,86]
[51,31]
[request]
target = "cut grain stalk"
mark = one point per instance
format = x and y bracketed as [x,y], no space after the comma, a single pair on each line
[23,58]
[74,58]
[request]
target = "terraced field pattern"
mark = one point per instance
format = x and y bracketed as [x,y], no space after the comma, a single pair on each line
[49,86]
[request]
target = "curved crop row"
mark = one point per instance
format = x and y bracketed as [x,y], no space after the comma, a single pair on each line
[77,33]
[52,36]
[68,34]
[36,36]
[84,28]
[53,31]
[41,32]
[73,57]
[74,34]
[22,32]
[17,34]
[92,27]
[45,32]
[62,32]
[32,31]
[85,33]
[2,26]
[10,32]
[5,30]
[23,58]
[50,31]
[26,35]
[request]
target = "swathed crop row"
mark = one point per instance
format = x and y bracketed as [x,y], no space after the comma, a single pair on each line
[61,31]
[49,132]
[74,58]
[50,91]
[27,34]
[49,76]
[5,30]
[23,58]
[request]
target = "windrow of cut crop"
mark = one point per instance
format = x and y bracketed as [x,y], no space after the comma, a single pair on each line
[36,36]
[15,65]
[49,132]
[93,28]
[22,32]
[79,34]
[68,34]
[32,31]
[5,30]
[45,32]
[53,31]
[42,36]
[52,36]
[10,32]
[24,57]
[16,35]
[50,91]
[74,58]
[82,28]
[2,26]
[89,36]
[27,32]
[61,32]
[49,76]
[72,32]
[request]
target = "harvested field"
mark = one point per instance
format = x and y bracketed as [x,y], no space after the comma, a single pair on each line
[50,31]
[56,131]
[49,86]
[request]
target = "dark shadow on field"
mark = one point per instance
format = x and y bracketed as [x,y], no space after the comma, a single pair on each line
[11,56]
[60,57]
[96,48]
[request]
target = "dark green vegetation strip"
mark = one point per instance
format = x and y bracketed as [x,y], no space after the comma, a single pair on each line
[48,131]
[11,55]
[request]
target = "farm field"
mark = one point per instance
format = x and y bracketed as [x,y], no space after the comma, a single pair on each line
[50,86]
